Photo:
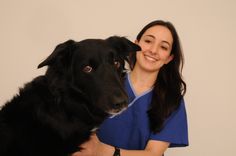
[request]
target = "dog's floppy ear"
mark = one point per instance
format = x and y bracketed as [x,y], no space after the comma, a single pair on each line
[123,45]
[59,51]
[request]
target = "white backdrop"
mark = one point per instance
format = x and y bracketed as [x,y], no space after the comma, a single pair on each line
[30,30]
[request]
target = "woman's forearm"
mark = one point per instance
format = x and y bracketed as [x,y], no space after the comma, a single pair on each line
[96,148]
[154,148]
[138,153]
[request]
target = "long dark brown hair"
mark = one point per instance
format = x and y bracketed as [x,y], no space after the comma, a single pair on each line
[169,87]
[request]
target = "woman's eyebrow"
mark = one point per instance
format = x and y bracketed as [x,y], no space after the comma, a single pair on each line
[152,36]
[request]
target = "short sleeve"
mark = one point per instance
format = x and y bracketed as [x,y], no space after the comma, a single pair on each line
[175,128]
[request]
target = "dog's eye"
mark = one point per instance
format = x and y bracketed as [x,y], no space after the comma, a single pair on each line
[117,64]
[87,69]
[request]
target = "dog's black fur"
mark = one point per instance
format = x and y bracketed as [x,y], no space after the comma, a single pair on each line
[56,112]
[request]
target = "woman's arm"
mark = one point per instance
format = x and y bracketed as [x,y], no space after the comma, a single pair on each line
[96,148]
[153,148]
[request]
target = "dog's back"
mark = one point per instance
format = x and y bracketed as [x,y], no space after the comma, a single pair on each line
[22,125]
[34,124]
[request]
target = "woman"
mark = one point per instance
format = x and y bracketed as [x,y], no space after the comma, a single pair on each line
[156,116]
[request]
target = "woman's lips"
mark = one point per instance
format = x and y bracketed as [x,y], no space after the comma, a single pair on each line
[150,58]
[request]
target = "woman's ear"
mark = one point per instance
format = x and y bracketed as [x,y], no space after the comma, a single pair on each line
[170,58]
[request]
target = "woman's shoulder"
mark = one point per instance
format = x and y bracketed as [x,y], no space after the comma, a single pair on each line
[175,128]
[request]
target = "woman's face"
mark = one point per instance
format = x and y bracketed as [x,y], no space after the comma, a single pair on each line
[156,44]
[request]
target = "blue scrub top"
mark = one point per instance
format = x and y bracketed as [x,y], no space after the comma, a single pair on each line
[130,129]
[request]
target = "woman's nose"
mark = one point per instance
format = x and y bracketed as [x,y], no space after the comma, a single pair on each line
[153,49]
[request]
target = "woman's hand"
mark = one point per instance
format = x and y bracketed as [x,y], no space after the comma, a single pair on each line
[88,148]
[93,147]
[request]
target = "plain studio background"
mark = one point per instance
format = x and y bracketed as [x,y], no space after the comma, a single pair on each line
[30,30]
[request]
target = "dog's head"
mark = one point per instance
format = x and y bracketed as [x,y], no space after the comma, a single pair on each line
[93,68]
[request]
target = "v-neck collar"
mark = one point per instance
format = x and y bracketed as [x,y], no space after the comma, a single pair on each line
[132,88]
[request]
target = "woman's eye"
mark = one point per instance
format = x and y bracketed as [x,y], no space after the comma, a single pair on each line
[87,69]
[117,64]
[165,48]
[147,41]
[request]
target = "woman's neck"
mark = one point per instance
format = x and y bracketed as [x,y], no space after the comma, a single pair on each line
[142,80]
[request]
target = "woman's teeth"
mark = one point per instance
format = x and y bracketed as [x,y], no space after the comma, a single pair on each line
[150,58]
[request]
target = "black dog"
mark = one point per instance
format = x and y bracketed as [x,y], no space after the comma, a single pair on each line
[56,112]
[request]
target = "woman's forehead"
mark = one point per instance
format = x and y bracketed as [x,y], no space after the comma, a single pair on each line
[159,32]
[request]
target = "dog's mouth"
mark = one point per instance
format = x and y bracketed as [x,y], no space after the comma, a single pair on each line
[115,112]
[118,108]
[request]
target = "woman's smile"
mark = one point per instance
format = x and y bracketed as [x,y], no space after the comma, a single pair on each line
[150,58]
